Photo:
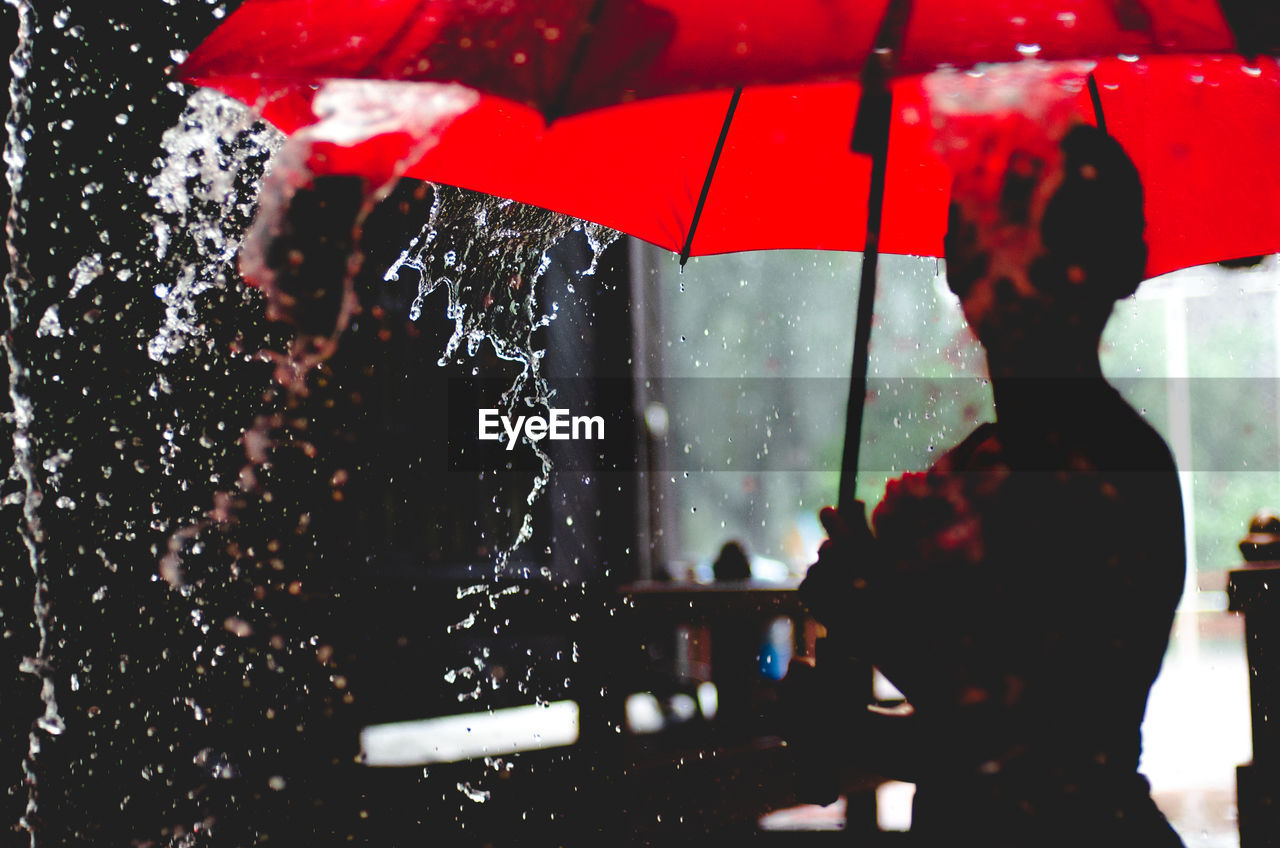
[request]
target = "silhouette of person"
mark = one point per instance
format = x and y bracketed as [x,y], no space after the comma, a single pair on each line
[1021,591]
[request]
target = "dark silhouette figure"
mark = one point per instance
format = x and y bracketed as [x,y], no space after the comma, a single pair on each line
[1021,591]
[732,563]
[1262,542]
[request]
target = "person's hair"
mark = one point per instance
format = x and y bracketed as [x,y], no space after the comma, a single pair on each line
[1091,227]
[1094,222]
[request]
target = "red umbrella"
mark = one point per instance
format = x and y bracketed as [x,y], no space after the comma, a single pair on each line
[570,56]
[786,178]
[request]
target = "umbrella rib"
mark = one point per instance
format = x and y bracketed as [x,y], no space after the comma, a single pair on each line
[402,32]
[711,170]
[561,103]
[1096,99]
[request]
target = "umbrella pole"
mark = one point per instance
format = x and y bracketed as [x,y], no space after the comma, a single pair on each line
[871,136]
[840,679]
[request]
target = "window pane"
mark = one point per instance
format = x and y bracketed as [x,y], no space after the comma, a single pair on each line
[754,351]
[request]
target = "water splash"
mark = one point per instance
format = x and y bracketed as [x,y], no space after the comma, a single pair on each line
[488,254]
[227,175]
[479,796]
[140,320]
[348,112]
[213,162]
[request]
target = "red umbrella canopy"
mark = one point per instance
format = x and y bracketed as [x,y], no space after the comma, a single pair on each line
[1201,130]
[1199,127]
[566,56]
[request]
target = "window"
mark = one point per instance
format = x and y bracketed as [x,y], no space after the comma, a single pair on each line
[749,354]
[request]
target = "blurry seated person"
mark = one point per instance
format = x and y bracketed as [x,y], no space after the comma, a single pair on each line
[1021,591]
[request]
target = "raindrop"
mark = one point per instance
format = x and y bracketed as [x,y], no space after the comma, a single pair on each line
[474,794]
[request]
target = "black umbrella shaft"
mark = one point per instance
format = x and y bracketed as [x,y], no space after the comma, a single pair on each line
[875,109]
[843,680]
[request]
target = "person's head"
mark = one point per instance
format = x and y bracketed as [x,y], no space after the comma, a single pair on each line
[1041,242]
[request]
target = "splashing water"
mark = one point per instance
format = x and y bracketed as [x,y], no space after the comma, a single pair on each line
[488,254]
[348,112]
[214,159]
[146,429]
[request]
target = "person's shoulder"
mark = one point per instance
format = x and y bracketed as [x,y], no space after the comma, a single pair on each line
[1128,441]
[1141,472]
